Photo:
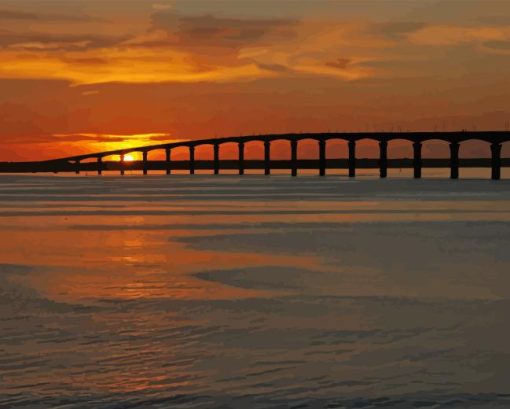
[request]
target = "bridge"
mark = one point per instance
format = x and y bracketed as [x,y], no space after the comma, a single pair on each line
[79,163]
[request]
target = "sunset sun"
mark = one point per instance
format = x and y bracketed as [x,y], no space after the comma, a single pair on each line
[129,158]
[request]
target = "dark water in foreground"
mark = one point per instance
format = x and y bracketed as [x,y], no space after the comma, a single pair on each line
[204,292]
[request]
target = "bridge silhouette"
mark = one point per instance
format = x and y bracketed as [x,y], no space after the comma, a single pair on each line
[78,163]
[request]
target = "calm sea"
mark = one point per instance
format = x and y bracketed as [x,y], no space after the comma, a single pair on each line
[254,292]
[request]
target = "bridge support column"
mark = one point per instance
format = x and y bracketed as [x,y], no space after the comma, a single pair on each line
[383,159]
[145,163]
[122,162]
[216,147]
[240,147]
[100,165]
[454,160]
[191,160]
[417,163]
[496,161]
[322,157]
[77,167]
[168,158]
[293,158]
[267,157]
[352,159]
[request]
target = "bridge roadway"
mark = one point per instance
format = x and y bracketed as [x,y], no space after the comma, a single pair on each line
[454,139]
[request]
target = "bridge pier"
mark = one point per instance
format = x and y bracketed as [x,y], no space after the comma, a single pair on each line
[383,159]
[168,158]
[216,148]
[122,162]
[454,160]
[145,163]
[77,167]
[495,161]
[352,158]
[417,162]
[99,165]
[267,157]
[240,147]
[322,157]
[191,160]
[293,157]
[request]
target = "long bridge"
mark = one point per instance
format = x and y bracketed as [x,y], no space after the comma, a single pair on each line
[82,163]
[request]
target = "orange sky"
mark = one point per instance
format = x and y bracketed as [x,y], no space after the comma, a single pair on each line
[80,76]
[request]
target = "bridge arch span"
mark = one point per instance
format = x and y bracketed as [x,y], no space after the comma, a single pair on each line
[308,147]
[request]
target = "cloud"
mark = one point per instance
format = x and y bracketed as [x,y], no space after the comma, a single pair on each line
[85,60]
[498,45]
[54,42]
[212,31]
[216,47]
[112,138]
[494,20]
[90,92]
[182,48]
[17,15]
[162,6]
[173,45]
[340,63]
[447,35]
[279,68]
[29,16]
[396,30]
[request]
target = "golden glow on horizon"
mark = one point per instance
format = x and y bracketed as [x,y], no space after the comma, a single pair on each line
[129,158]
[98,142]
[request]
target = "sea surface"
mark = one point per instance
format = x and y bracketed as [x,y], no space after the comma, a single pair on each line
[254,292]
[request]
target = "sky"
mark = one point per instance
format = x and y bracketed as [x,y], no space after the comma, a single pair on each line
[82,76]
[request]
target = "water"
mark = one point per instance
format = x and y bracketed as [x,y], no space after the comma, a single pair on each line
[254,292]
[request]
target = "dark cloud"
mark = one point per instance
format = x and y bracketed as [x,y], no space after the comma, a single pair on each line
[28,16]
[107,138]
[396,30]
[211,41]
[503,20]
[61,42]
[273,67]
[85,60]
[211,31]
[16,15]
[498,45]
[90,138]
[340,63]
